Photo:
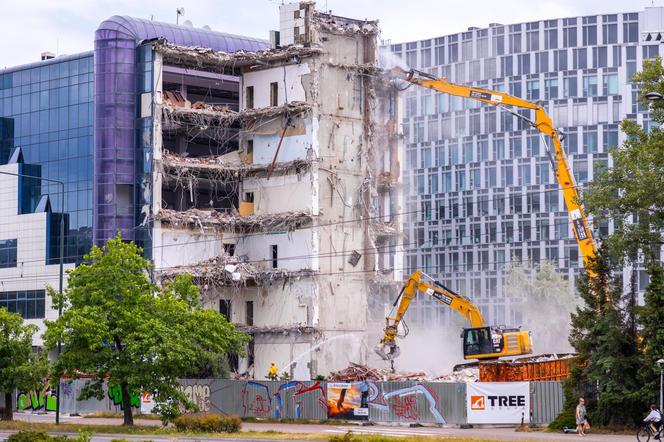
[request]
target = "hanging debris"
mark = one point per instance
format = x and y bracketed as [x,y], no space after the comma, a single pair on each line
[228,270]
[212,220]
[344,26]
[222,116]
[217,61]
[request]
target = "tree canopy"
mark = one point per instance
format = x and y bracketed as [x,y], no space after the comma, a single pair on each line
[119,326]
[20,367]
[630,193]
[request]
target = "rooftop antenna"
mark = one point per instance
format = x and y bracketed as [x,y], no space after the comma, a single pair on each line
[179,11]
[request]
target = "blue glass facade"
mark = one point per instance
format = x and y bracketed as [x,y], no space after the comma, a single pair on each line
[46,109]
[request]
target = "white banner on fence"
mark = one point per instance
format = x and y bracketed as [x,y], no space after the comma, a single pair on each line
[498,402]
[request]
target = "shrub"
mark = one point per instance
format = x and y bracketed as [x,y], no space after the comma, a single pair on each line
[565,419]
[35,436]
[208,423]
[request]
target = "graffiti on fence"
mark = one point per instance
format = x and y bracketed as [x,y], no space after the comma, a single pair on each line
[403,402]
[41,398]
[115,394]
[198,394]
[297,389]
[256,399]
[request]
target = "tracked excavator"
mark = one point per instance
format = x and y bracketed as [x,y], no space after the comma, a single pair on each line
[481,341]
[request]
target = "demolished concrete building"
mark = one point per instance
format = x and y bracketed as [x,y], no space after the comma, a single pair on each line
[275,183]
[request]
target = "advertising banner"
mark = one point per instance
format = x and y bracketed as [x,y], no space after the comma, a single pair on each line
[498,402]
[348,400]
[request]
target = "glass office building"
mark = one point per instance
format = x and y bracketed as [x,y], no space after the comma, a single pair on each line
[46,110]
[481,191]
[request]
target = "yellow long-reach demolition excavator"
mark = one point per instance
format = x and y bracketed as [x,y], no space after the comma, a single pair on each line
[511,342]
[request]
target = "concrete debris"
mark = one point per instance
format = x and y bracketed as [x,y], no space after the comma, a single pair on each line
[208,115]
[213,220]
[385,181]
[381,230]
[217,61]
[343,26]
[228,270]
[463,375]
[280,330]
[178,166]
[358,372]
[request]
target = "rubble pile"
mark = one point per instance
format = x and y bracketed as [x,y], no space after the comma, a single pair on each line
[297,329]
[358,372]
[381,230]
[228,270]
[207,220]
[336,25]
[218,61]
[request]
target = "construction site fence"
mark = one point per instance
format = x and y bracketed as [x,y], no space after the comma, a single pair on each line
[441,403]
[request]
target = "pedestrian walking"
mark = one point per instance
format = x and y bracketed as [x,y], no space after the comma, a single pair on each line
[581,420]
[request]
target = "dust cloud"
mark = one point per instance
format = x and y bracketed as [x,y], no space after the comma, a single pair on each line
[548,300]
[434,352]
[388,60]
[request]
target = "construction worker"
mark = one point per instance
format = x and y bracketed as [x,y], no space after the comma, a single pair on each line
[273,372]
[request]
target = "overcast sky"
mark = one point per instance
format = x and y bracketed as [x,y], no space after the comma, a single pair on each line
[29,27]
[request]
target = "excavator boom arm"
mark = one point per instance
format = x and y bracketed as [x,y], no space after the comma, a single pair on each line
[387,348]
[542,123]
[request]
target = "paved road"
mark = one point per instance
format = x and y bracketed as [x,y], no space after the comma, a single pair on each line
[493,433]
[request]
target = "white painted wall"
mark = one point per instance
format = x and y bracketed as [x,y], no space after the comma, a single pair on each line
[177,247]
[289,84]
[31,272]
[279,194]
[293,147]
[295,249]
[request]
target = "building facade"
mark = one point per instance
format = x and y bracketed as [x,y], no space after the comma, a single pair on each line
[270,174]
[481,194]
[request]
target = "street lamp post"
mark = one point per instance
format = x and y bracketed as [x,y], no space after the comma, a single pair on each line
[62,260]
[660,364]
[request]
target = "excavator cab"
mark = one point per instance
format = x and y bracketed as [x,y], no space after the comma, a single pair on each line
[494,342]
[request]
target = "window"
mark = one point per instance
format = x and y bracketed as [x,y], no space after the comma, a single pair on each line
[610,84]
[589,31]
[590,85]
[560,60]
[630,52]
[569,34]
[249,313]
[275,256]
[580,58]
[524,64]
[609,33]
[225,308]
[274,94]
[532,90]
[30,304]
[631,30]
[541,62]
[650,52]
[250,151]
[532,41]
[570,87]
[590,141]
[550,38]
[248,197]
[610,137]
[551,89]
[498,42]
[249,97]
[600,57]
[7,253]
[229,249]
[515,42]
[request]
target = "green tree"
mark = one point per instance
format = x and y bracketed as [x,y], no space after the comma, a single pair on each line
[607,354]
[20,367]
[651,317]
[120,327]
[630,193]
